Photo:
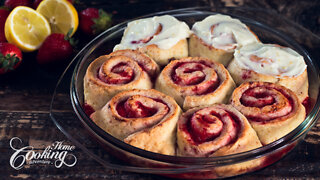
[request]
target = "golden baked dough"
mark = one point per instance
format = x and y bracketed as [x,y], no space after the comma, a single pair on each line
[272,109]
[163,56]
[198,48]
[217,36]
[163,38]
[271,63]
[195,81]
[121,70]
[217,130]
[142,118]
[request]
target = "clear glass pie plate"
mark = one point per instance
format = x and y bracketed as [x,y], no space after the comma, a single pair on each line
[68,115]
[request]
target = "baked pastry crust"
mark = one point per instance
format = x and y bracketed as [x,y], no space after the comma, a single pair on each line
[198,48]
[245,138]
[100,83]
[270,63]
[213,75]
[298,84]
[142,118]
[217,36]
[223,143]
[272,109]
[163,38]
[164,56]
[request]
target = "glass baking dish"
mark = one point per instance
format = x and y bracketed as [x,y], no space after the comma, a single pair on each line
[67,113]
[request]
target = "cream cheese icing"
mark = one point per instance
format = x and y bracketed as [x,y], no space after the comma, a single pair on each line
[163,31]
[223,32]
[270,59]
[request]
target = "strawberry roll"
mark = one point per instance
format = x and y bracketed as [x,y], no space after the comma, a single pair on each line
[217,130]
[161,37]
[217,36]
[195,81]
[272,109]
[142,118]
[119,71]
[271,63]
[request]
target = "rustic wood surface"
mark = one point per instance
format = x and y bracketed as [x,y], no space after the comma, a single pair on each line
[25,97]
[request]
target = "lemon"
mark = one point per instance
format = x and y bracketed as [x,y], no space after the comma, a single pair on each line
[61,15]
[26,28]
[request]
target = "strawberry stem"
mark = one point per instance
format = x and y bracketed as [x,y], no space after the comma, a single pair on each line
[102,22]
[72,41]
[8,61]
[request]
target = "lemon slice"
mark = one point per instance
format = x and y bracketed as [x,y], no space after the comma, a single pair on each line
[61,15]
[26,28]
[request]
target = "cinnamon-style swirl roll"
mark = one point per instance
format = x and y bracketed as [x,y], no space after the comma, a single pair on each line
[116,72]
[272,109]
[216,130]
[271,63]
[217,36]
[142,118]
[161,37]
[195,82]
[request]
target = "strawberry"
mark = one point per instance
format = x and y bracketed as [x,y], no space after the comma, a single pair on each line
[11,4]
[10,57]
[94,21]
[55,48]
[4,13]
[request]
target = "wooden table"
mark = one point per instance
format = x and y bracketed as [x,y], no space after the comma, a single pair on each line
[25,96]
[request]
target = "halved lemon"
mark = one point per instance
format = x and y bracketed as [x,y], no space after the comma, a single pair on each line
[26,28]
[61,15]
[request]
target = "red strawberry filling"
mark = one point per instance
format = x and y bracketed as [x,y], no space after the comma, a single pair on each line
[257,97]
[199,75]
[88,109]
[307,105]
[213,124]
[271,102]
[121,73]
[134,108]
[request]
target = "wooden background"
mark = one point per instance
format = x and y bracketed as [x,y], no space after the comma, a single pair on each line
[25,96]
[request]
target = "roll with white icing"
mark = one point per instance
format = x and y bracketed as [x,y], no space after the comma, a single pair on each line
[217,36]
[270,63]
[161,37]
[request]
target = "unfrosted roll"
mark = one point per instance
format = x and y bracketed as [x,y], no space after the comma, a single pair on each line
[217,130]
[271,63]
[121,70]
[161,37]
[145,119]
[217,36]
[272,109]
[195,81]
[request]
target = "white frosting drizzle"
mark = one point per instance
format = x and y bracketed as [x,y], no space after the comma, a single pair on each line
[172,31]
[270,59]
[223,32]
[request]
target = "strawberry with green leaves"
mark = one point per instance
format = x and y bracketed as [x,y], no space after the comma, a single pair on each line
[10,57]
[94,21]
[56,48]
